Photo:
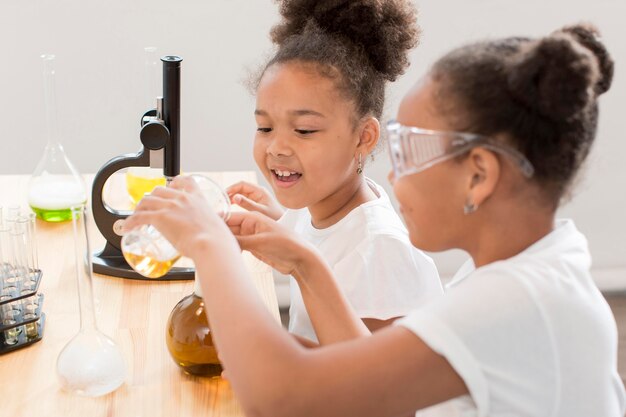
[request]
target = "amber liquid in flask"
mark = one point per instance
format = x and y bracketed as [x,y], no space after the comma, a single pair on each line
[149,253]
[189,339]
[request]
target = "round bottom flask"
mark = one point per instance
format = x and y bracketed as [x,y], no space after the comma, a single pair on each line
[149,253]
[90,364]
[188,337]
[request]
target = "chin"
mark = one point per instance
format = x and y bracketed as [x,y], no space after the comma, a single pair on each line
[429,245]
[292,203]
[424,243]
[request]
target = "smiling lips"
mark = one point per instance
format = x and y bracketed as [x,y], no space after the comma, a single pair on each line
[285,177]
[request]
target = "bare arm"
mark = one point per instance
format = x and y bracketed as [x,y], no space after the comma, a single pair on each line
[304,342]
[391,372]
[375,324]
[331,315]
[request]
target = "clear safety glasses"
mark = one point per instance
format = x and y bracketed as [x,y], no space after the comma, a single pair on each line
[413,149]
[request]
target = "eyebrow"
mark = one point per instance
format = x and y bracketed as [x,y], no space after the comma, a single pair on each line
[303,112]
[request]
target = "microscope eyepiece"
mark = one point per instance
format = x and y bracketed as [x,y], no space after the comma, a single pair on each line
[171,58]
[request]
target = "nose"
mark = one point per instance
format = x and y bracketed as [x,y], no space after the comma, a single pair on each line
[279,145]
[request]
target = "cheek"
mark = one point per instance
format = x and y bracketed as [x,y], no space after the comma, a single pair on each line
[425,208]
[259,152]
[326,164]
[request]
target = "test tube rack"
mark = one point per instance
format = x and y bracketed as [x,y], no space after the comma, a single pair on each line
[21,318]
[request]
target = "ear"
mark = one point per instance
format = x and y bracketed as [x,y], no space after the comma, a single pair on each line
[369,133]
[484,174]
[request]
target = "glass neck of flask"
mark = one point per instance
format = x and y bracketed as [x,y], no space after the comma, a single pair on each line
[83,269]
[52,123]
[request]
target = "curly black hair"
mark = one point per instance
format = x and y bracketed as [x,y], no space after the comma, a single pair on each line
[359,44]
[541,94]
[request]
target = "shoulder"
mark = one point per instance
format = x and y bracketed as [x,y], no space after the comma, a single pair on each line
[379,216]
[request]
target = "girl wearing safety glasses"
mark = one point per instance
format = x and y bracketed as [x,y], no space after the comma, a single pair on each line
[521,331]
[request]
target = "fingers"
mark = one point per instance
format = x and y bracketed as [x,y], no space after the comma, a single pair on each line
[251,242]
[242,187]
[184,183]
[153,203]
[244,223]
[236,218]
[248,204]
[138,219]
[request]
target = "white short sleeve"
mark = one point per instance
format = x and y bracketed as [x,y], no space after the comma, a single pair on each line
[386,277]
[493,334]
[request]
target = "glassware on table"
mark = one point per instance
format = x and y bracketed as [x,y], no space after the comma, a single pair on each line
[148,252]
[142,180]
[56,185]
[90,364]
[188,337]
[19,273]
[21,319]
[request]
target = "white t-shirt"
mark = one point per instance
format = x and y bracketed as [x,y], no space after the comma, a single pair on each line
[531,335]
[380,272]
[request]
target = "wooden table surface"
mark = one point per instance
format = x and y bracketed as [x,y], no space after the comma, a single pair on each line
[133,313]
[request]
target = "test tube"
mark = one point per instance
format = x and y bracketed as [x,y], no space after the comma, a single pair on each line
[29,306]
[26,248]
[32,238]
[11,336]
[7,293]
[20,251]
[5,249]
[30,328]
[13,212]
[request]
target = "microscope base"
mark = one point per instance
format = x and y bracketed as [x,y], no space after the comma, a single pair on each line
[110,261]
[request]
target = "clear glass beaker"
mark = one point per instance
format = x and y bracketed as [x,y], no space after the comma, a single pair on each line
[148,252]
[56,185]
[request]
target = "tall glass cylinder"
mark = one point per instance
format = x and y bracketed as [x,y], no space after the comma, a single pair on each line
[152,76]
[142,180]
[56,185]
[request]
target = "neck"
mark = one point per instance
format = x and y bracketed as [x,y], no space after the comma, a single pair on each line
[336,206]
[498,238]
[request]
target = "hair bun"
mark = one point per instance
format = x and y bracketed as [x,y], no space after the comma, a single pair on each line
[556,76]
[383,30]
[589,37]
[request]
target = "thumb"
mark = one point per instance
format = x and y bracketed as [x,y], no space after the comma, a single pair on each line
[249,242]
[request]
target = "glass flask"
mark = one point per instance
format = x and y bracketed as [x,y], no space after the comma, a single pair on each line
[148,252]
[141,181]
[189,339]
[56,185]
[90,364]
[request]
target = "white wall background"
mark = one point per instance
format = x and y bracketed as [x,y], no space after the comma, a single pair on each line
[100,92]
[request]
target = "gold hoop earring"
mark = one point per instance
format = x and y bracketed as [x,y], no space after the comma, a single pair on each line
[359,167]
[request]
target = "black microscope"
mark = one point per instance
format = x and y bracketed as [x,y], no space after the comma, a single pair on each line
[160,137]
